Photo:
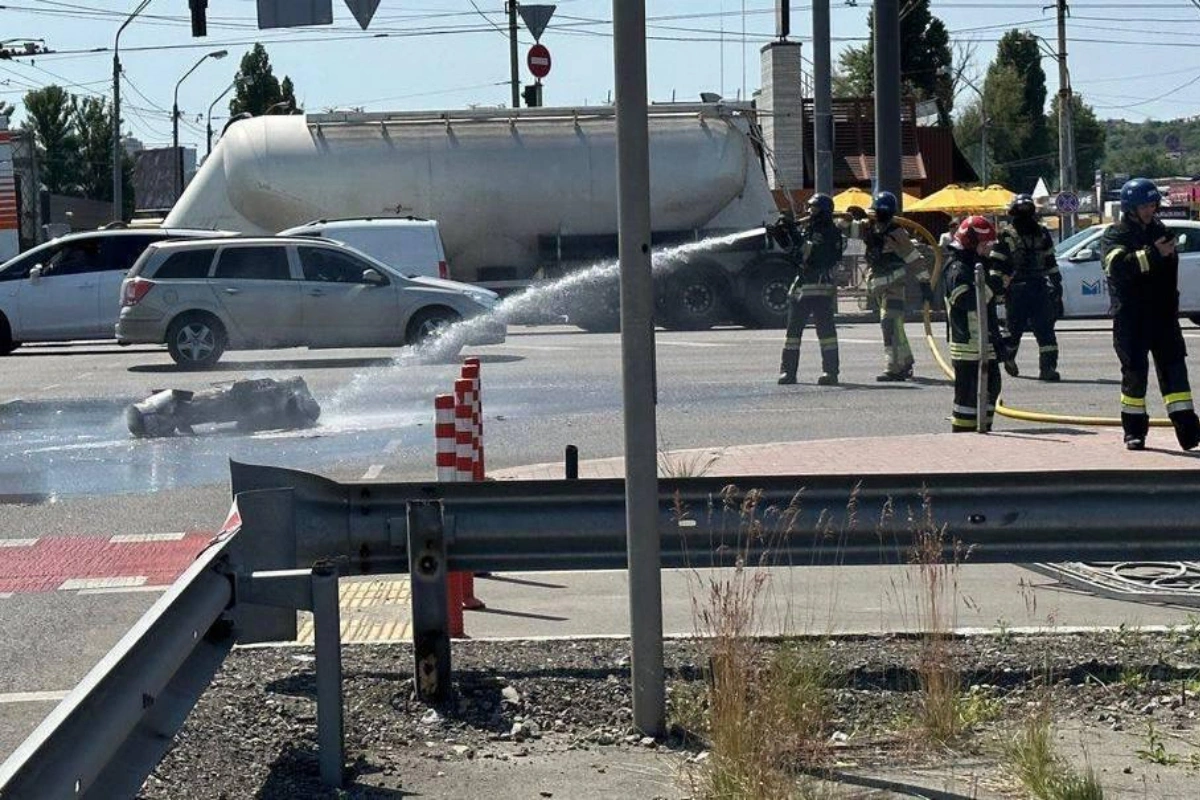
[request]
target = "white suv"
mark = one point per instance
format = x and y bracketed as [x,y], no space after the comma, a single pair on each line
[409,245]
[70,287]
[200,298]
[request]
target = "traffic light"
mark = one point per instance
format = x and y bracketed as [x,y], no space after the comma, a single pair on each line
[199,21]
[532,95]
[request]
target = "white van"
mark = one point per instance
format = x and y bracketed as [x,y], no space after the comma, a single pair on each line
[409,245]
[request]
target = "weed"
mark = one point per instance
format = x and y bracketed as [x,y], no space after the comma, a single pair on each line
[687,708]
[697,464]
[1004,634]
[1155,750]
[1041,771]
[978,707]
[1133,679]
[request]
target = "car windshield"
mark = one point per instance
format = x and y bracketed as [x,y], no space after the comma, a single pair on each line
[1068,244]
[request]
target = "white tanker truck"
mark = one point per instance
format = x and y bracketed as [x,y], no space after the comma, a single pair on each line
[520,196]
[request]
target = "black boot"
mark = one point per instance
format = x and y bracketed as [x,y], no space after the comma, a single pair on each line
[1135,442]
[828,379]
[789,362]
[1048,367]
[1187,429]
[892,377]
[1010,366]
[786,378]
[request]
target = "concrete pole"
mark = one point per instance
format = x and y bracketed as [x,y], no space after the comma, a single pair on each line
[888,166]
[822,100]
[637,366]
[514,69]
[118,206]
[1066,137]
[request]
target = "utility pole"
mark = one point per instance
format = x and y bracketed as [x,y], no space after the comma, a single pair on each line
[1066,134]
[889,176]
[822,100]
[511,7]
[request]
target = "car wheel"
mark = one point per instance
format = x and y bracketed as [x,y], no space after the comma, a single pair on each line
[196,341]
[428,324]
[694,300]
[7,345]
[766,296]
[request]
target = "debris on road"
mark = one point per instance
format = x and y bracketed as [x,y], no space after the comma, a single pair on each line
[253,405]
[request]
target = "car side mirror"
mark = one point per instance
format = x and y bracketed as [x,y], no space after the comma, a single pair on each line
[1084,254]
[373,277]
[35,273]
[1181,242]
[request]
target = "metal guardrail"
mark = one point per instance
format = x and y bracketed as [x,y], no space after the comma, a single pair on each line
[107,735]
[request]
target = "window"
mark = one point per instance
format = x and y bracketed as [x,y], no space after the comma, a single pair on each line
[75,258]
[185,264]
[119,252]
[18,270]
[254,263]
[323,264]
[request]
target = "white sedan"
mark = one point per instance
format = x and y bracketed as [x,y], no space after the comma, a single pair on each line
[1085,292]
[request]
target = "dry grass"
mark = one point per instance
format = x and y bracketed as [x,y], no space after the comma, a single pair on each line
[682,464]
[765,712]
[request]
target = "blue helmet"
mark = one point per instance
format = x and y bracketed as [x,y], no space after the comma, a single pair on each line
[1138,192]
[820,204]
[884,204]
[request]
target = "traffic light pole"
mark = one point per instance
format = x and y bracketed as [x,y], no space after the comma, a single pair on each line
[889,176]
[512,54]
[822,99]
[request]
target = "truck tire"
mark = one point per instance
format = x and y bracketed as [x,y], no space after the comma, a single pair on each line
[694,299]
[765,295]
[196,340]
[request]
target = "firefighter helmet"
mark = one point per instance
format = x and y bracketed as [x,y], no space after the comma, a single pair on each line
[1138,192]
[974,231]
[1022,204]
[820,205]
[885,205]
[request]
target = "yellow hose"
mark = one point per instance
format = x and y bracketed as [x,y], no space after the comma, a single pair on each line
[1005,411]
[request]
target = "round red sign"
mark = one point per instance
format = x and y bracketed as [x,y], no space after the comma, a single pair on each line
[538,61]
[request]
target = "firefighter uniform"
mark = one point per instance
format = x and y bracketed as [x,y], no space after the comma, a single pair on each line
[1144,287]
[890,254]
[1026,250]
[817,249]
[965,340]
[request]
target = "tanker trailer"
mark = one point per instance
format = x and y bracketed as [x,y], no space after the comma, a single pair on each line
[521,196]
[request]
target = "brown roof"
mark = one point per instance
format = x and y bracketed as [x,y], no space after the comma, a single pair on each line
[854,142]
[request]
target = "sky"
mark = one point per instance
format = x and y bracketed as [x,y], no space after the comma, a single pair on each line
[1135,60]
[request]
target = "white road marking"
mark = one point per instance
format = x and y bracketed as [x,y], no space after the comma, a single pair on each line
[129,538]
[125,590]
[77,584]
[372,473]
[690,344]
[17,542]
[51,386]
[32,697]
[5,595]
[543,347]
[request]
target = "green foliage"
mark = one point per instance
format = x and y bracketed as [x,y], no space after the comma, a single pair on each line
[1090,138]
[1018,55]
[1009,127]
[257,90]
[49,115]
[1140,148]
[924,55]
[6,109]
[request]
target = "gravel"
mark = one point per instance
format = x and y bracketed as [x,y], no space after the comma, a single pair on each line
[253,733]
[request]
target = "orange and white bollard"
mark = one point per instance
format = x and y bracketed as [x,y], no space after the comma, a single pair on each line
[472,371]
[444,436]
[464,469]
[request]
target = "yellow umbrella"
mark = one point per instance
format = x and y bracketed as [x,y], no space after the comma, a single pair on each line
[955,199]
[858,197]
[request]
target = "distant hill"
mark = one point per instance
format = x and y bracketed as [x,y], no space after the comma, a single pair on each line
[1154,147]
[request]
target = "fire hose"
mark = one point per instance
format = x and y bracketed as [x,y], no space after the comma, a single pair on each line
[1023,415]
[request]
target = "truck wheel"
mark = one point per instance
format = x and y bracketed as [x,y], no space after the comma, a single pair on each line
[196,340]
[7,345]
[765,303]
[694,300]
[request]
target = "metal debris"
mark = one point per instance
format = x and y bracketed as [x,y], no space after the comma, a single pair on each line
[253,405]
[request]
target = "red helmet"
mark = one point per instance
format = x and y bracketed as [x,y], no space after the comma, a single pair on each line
[974,231]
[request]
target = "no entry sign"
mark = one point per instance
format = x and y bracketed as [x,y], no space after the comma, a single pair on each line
[538,61]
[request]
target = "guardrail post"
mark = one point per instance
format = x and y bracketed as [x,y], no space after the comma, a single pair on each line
[427,573]
[331,737]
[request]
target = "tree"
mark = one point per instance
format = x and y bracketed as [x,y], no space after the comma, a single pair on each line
[50,118]
[92,120]
[256,89]
[1019,52]
[1008,129]
[6,109]
[925,60]
[288,94]
[1090,137]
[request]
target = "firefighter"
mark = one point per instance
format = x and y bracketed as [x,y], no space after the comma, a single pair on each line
[972,244]
[1026,250]
[816,249]
[890,253]
[1142,269]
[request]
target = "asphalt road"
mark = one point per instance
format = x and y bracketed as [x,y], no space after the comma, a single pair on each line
[69,468]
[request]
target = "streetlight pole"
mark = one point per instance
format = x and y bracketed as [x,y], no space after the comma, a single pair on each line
[216,54]
[118,172]
[208,128]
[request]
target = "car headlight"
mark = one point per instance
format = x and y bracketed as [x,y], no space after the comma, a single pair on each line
[485,299]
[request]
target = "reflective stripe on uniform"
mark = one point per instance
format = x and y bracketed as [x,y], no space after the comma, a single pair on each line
[997,255]
[958,291]
[1113,255]
[1143,258]
[1048,348]
[1133,405]
[817,289]
[828,343]
[1178,401]
[791,343]
[960,422]
[913,256]
[879,281]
